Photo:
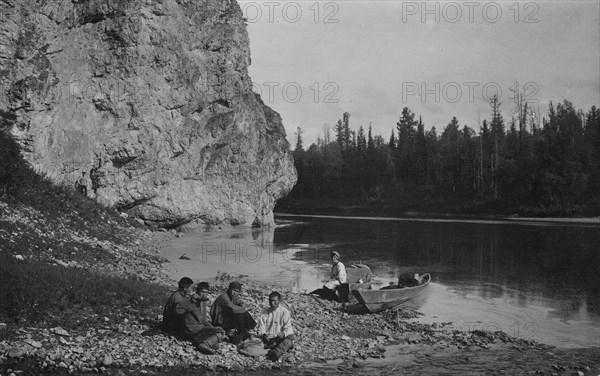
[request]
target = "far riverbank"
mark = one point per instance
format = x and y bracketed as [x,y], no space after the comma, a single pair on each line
[457,218]
[446,208]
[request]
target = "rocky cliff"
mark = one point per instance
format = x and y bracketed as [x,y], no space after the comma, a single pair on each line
[152,99]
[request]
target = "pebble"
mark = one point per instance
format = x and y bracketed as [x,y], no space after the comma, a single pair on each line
[16,352]
[33,343]
[107,360]
[60,331]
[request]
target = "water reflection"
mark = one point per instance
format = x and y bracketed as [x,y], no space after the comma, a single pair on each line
[494,269]
[550,263]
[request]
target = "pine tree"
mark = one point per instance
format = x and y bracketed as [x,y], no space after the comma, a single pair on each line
[392,142]
[361,141]
[421,151]
[497,130]
[370,143]
[299,147]
[347,134]
[339,133]
[406,145]
[592,135]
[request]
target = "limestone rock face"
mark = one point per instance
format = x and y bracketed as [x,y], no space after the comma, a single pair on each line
[152,99]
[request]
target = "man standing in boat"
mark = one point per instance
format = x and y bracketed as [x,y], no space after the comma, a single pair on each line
[338,274]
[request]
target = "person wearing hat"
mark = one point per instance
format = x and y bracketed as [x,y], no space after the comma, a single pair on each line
[197,326]
[177,305]
[338,274]
[228,312]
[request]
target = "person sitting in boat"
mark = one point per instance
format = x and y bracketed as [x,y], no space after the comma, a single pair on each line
[338,274]
[405,280]
[409,280]
[275,328]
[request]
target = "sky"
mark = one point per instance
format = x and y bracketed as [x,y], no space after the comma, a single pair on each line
[314,60]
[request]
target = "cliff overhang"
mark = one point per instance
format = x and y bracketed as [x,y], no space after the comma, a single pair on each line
[152,100]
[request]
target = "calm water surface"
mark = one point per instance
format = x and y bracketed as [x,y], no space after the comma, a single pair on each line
[536,281]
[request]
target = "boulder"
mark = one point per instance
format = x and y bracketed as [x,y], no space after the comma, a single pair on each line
[152,100]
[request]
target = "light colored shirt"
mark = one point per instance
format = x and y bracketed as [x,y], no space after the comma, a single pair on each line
[338,271]
[84,180]
[273,322]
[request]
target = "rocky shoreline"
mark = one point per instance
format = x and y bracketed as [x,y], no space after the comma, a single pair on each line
[329,340]
[327,336]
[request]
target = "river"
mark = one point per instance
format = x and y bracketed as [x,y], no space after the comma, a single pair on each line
[534,280]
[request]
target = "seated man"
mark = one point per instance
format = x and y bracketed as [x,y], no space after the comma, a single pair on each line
[338,275]
[197,326]
[177,305]
[275,328]
[229,312]
[409,280]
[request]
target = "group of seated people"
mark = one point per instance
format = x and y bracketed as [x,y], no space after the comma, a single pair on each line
[186,315]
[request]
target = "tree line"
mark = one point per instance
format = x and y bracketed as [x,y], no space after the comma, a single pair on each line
[539,166]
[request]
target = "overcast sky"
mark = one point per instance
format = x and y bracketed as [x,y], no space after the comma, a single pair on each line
[314,60]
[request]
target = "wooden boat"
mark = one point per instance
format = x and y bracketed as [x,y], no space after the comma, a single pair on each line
[380,300]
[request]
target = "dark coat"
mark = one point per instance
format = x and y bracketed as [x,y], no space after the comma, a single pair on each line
[224,308]
[175,308]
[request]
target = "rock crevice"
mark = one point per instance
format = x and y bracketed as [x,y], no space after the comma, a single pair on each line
[152,99]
